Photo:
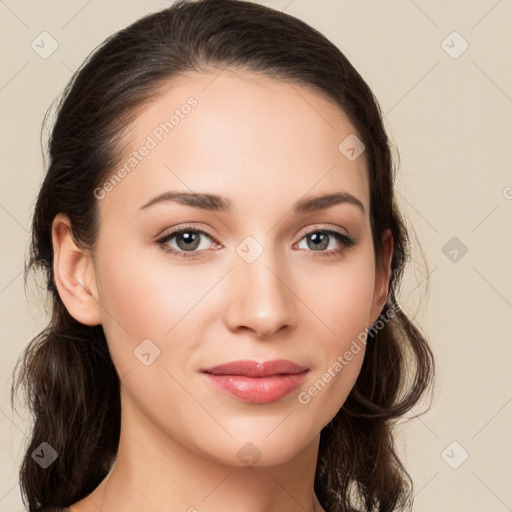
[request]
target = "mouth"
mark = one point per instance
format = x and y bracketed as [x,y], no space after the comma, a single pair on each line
[257,383]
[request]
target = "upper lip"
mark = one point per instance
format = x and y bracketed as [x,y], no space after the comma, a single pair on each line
[255,369]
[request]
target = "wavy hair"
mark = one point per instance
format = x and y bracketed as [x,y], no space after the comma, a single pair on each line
[71,387]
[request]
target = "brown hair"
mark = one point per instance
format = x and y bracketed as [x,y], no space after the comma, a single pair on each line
[70,382]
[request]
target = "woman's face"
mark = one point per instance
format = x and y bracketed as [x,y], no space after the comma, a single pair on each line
[265,281]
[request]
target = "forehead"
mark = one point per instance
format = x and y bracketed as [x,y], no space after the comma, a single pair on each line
[238,134]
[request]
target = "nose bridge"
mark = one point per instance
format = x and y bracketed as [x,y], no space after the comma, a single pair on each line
[258,295]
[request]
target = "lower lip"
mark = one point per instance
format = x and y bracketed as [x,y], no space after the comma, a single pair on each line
[257,390]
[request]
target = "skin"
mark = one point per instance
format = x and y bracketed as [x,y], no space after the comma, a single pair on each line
[264,145]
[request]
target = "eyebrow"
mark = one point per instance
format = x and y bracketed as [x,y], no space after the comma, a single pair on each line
[212,202]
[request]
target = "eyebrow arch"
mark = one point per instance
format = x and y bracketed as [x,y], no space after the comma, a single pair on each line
[212,202]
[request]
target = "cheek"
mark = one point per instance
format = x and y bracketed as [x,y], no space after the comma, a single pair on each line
[341,297]
[342,303]
[141,300]
[146,296]
[144,288]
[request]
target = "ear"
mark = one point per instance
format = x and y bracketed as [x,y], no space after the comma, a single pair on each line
[382,277]
[73,271]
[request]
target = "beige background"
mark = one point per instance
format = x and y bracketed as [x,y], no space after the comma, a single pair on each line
[451,120]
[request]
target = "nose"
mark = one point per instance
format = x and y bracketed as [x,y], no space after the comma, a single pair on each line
[259,296]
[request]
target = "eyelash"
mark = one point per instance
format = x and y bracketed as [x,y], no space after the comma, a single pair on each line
[346,241]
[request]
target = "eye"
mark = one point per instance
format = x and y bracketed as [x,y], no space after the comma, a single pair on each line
[187,239]
[319,240]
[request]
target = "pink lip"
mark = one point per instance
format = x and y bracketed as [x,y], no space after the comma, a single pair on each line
[258,383]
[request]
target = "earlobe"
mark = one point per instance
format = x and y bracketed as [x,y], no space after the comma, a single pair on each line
[383,276]
[73,271]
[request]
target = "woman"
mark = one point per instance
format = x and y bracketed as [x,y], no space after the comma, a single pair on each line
[223,250]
